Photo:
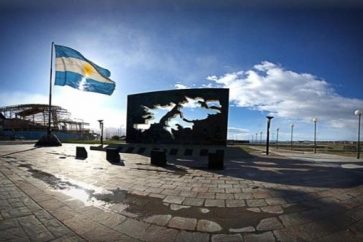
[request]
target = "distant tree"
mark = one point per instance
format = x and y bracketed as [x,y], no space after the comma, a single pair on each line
[115,137]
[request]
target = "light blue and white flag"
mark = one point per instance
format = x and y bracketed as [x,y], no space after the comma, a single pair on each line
[73,69]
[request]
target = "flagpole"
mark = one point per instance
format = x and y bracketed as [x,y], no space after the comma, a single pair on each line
[50,88]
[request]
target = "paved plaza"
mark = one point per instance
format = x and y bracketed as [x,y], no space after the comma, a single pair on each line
[46,194]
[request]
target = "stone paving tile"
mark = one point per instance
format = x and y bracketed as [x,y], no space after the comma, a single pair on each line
[289,235]
[51,204]
[235,203]
[214,203]
[102,233]
[216,190]
[110,219]
[256,202]
[14,234]
[275,201]
[64,213]
[174,199]
[80,225]
[243,195]
[185,236]
[68,239]
[34,229]
[227,238]
[224,196]
[133,228]
[263,237]
[233,190]
[155,195]
[269,224]
[170,192]
[208,226]
[306,211]
[183,223]
[292,219]
[15,212]
[209,195]
[56,228]
[160,234]
[161,220]
[243,230]
[200,189]
[197,202]
[259,195]
[272,209]
[189,194]
[154,190]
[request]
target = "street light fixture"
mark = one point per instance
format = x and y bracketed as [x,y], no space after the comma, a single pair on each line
[261,137]
[315,120]
[277,138]
[292,133]
[268,133]
[359,114]
[101,127]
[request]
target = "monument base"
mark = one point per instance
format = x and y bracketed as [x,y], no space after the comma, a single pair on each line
[48,140]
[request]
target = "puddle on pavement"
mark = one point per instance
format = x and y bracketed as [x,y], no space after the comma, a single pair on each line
[226,217]
[144,206]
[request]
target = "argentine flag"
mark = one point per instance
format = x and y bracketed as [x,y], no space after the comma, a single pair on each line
[72,69]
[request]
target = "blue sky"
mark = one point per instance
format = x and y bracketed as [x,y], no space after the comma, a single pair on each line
[296,61]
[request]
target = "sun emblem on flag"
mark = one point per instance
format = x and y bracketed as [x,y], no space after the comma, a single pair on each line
[88,69]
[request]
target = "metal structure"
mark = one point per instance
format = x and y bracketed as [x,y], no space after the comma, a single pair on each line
[35,117]
[186,116]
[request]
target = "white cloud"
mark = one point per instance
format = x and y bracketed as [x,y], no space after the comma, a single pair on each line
[287,94]
[180,86]
[237,130]
[238,133]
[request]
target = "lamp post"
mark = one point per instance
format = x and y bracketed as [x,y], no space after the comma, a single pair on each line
[359,114]
[101,127]
[268,133]
[315,120]
[277,138]
[261,137]
[256,139]
[292,133]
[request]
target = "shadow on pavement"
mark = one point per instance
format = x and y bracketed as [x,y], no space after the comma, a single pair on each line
[280,170]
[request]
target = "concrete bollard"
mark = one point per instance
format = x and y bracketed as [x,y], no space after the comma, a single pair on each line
[158,157]
[216,160]
[113,155]
[81,152]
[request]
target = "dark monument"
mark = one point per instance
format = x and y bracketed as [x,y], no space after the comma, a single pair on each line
[186,116]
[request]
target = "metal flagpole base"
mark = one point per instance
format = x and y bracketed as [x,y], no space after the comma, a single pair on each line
[48,140]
